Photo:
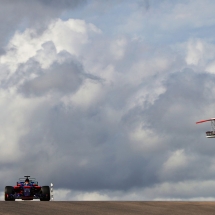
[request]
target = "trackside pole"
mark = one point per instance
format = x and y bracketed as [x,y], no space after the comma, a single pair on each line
[52,192]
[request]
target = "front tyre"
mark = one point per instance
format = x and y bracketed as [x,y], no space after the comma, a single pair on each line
[9,191]
[45,193]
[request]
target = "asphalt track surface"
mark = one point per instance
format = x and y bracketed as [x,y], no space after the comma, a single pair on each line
[106,207]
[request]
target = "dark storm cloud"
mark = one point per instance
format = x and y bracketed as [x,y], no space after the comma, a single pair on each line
[95,157]
[65,78]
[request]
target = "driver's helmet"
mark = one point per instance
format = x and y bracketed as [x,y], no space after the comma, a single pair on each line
[26,180]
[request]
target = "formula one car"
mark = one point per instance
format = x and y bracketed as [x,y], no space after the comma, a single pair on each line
[27,189]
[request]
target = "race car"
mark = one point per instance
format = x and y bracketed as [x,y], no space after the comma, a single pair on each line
[27,189]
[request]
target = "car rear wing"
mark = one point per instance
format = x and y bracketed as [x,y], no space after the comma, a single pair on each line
[31,180]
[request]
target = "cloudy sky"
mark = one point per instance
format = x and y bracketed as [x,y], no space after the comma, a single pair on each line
[101,97]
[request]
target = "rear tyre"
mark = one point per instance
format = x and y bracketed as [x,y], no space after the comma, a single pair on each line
[8,192]
[45,193]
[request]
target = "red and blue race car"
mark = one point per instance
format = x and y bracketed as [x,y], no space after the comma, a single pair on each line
[27,189]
